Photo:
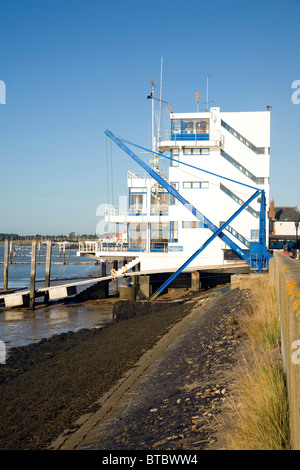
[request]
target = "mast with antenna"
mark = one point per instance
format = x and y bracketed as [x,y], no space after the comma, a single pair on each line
[208,76]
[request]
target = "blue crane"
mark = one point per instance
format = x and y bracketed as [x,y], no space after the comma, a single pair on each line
[257,256]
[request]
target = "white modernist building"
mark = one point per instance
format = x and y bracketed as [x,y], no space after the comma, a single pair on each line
[222,149]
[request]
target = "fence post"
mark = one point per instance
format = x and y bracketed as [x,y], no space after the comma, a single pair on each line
[5,276]
[32,275]
[48,269]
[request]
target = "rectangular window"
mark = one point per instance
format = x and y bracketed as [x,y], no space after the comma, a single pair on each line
[195,184]
[160,203]
[159,236]
[204,125]
[137,237]
[195,151]
[187,126]
[254,234]
[173,232]
[176,126]
[173,200]
[192,224]
[137,203]
[174,152]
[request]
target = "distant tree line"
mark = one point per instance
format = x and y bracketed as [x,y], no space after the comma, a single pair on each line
[71,237]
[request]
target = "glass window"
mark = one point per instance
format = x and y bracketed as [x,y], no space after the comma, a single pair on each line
[205,151]
[174,152]
[196,151]
[260,180]
[137,203]
[261,150]
[197,126]
[196,185]
[160,203]
[137,236]
[173,231]
[174,200]
[204,184]
[187,126]
[187,185]
[176,126]
[204,126]
[187,151]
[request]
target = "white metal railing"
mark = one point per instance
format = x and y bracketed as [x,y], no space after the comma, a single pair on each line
[92,247]
[111,211]
[214,136]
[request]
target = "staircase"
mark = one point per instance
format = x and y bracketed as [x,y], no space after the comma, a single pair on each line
[127,266]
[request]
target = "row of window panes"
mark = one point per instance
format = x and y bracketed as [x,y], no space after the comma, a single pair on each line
[174,152]
[238,200]
[195,185]
[236,234]
[190,126]
[167,231]
[259,150]
[195,151]
[187,224]
[242,168]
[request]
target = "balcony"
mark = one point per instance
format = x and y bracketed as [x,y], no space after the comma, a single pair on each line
[169,139]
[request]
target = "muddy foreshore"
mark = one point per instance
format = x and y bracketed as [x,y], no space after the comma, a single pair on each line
[45,387]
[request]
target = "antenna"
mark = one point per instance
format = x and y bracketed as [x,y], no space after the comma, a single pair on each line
[161,69]
[208,76]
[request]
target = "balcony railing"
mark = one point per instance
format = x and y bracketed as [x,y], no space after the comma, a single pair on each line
[187,136]
[92,247]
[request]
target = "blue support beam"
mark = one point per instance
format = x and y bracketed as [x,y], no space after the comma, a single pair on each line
[197,252]
[206,222]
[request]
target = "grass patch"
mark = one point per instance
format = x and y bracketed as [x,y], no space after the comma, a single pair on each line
[258,417]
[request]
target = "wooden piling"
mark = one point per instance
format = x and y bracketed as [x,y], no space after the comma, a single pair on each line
[5,275]
[10,252]
[48,269]
[32,275]
[103,266]
[115,282]
[64,252]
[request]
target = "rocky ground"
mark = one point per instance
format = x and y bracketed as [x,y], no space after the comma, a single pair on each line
[46,387]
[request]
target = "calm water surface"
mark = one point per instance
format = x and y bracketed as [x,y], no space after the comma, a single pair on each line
[19,327]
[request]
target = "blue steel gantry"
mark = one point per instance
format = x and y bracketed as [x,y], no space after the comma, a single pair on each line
[257,257]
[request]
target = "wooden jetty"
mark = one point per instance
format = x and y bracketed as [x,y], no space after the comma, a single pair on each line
[147,281]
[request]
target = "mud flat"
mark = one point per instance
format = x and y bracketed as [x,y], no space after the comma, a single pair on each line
[47,386]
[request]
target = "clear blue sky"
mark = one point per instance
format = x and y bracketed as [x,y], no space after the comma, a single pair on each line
[74,68]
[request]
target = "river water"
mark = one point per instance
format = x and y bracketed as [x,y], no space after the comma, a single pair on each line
[19,327]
